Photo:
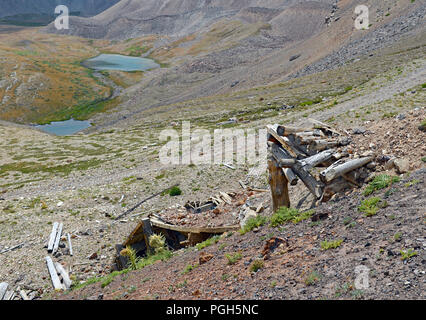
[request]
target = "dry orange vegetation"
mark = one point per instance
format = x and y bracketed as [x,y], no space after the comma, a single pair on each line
[41,74]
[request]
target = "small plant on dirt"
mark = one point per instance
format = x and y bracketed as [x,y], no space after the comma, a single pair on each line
[371,206]
[405,255]
[313,277]
[284,215]
[412,183]
[175,191]
[233,258]
[253,223]
[133,258]
[273,284]
[208,242]
[189,268]
[326,245]
[158,243]
[397,236]
[256,265]
[182,284]
[380,182]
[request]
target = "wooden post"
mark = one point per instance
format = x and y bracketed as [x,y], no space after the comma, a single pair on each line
[279,186]
[65,277]
[69,244]
[3,289]
[53,274]
[58,238]
[147,232]
[52,237]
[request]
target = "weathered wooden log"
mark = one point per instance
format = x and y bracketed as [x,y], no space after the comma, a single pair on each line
[314,186]
[53,236]
[291,177]
[279,185]
[58,238]
[337,170]
[57,285]
[287,130]
[64,274]
[3,289]
[272,131]
[311,183]
[317,159]
[319,124]
[69,244]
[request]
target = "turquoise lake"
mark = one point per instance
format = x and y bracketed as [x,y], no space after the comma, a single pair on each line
[120,62]
[101,62]
[65,128]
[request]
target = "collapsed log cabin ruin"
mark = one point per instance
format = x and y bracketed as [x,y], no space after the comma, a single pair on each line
[295,153]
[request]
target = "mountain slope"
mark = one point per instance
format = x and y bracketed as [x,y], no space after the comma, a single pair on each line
[84,7]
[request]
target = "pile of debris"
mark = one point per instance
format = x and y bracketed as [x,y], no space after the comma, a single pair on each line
[293,153]
[193,223]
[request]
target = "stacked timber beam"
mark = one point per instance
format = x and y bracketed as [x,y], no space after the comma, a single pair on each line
[295,153]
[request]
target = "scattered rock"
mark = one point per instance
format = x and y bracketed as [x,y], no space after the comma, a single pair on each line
[205,257]
[402,165]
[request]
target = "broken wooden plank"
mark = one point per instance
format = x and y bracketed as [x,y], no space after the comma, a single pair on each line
[242,184]
[53,236]
[12,248]
[69,244]
[58,238]
[229,166]
[279,185]
[291,177]
[64,274]
[337,170]
[147,232]
[57,285]
[9,295]
[225,197]
[318,123]
[3,289]
[23,295]
[187,230]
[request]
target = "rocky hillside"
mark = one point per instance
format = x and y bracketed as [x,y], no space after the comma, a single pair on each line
[85,8]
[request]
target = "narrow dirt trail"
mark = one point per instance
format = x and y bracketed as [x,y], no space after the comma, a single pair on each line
[398,86]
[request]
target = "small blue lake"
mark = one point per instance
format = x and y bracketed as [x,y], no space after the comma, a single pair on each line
[120,62]
[64,128]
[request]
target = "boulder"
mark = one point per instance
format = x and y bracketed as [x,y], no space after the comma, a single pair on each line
[402,165]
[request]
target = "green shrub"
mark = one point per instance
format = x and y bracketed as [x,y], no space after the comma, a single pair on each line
[312,278]
[253,223]
[380,182]
[370,206]
[256,265]
[208,242]
[175,191]
[326,245]
[284,215]
[233,258]
[407,255]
